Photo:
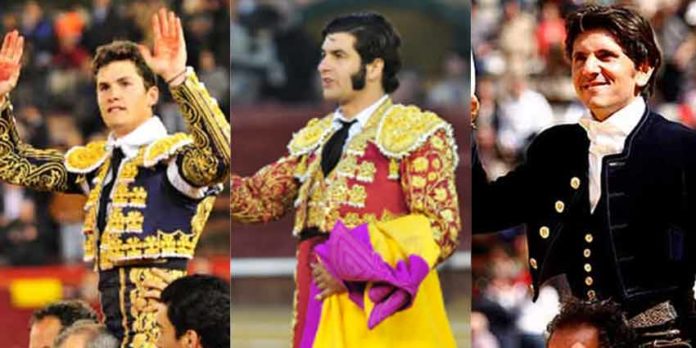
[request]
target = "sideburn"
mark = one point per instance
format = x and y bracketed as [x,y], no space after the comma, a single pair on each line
[358,79]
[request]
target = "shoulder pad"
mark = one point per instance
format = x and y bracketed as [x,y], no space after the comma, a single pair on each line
[84,159]
[311,136]
[405,128]
[164,148]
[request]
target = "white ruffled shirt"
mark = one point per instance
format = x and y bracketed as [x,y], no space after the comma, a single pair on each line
[148,132]
[608,138]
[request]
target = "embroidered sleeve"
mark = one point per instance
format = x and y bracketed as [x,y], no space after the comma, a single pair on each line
[427,177]
[21,164]
[267,195]
[207,160]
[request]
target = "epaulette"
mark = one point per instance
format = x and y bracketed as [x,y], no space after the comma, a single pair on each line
[164,148]
[405,128]
[84,159]
[311,136]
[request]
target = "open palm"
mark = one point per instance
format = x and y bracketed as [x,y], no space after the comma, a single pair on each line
[10,58]
[168,56]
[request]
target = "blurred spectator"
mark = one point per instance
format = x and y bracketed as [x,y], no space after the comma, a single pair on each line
[108,22]
[22,243]
[454,86]
[48,322]
[523,114]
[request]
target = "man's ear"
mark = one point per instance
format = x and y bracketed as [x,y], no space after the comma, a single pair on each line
[152,96]
[643,74]
[375,70]
[190,339]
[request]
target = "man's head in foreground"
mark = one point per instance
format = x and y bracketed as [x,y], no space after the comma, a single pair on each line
[194,313]
[614,57]
[590,325]
[126,87]
[48,322]
[86,334]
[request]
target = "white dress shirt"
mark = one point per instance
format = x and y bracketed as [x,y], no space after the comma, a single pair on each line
[361,117]
[608,138]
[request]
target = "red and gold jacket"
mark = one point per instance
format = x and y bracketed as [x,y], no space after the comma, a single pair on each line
[402,162]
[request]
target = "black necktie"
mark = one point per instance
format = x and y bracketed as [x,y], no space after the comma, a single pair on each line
[334,148]
[116,158]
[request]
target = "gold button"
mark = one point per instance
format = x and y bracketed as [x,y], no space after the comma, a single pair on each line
[588,267]
[589,238]
[575,182]
[589,281]
[533,263]
[544,232]
[560,206]
[591,294]
[586,253]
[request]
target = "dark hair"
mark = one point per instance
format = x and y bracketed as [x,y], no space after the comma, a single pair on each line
[375,38]
[68,312]
[629,29]
[200,303]
[606,316]
[124,50]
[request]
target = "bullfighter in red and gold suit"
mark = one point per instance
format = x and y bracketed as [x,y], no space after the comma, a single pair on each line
[373,190]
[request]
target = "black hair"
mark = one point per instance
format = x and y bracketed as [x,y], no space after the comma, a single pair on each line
[375,38]
[200,303]
[68,312]
[606,316]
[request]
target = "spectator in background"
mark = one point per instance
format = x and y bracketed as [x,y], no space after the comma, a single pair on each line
[107,22]
[87,334]
[523,113]
[584,324]
[48,322]
[21,241]
[195,312]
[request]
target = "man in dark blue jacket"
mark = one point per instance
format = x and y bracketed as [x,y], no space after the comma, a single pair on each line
[610,202]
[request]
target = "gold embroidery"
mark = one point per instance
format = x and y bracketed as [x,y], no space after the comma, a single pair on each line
[366,172]
[420,165]
[393,169]
[23,165]
[144,324]
[207,161]
[89,226]
[357,196]
[164,148]
[311,136]
[338,192]
[347,167]
[405,128]
[84,159]
[265,196]
[432,192]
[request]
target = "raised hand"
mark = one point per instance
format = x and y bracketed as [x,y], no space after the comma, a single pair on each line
[168,56]
[10,62]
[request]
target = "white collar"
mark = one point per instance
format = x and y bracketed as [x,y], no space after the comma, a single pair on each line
[620,123]
[362,116]
[146,133]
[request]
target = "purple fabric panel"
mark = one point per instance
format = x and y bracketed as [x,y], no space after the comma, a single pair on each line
[312,319]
